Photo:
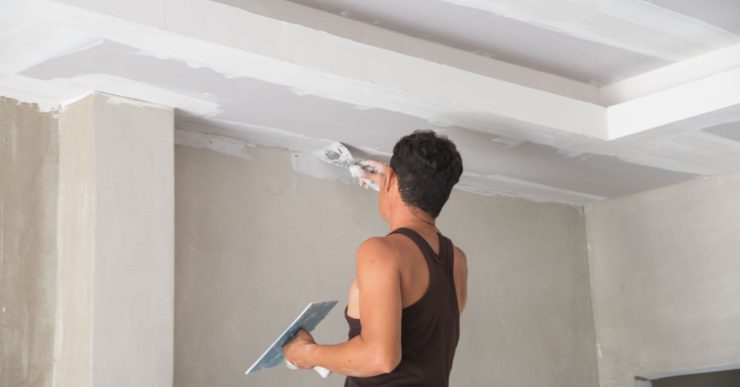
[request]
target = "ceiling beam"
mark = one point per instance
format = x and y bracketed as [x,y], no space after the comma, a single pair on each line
[310,61]
[240,42]
[662,109]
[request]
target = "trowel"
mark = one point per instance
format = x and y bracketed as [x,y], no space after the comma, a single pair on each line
[338,154]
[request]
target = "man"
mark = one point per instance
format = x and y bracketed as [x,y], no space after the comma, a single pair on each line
[410,286]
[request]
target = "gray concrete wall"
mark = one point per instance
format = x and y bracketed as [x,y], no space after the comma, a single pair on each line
[28,248]
[256,241]
[665,278]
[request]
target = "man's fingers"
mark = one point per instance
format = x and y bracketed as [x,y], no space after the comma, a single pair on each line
[370,173]
[290,365]
[375,166]
[304,335]
[371,176]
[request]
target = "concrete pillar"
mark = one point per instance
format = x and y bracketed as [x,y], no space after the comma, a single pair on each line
[115,284]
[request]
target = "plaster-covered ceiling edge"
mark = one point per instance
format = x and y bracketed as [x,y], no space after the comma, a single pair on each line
[22,90]
[304,161]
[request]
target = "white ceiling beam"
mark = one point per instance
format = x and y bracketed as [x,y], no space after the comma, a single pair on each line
[242,43]
[664,108]
[310,61]
[395,41]
[667,77]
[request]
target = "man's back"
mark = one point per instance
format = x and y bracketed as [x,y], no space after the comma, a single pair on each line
[432,282]
[413,269]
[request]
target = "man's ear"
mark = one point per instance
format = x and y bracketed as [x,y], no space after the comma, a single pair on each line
[389,175]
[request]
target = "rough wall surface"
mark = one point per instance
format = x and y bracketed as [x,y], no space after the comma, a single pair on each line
[665,278]
[133,285]
[256,241]
[74,294]
[28,204]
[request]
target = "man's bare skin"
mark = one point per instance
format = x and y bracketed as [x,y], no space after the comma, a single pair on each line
[414,270]
[391,274]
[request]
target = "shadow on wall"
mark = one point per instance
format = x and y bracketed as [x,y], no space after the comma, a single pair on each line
[727,378]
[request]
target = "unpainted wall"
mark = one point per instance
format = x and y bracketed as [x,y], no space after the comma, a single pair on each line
[28,248]
[665,279]
[74,291]
[256,241]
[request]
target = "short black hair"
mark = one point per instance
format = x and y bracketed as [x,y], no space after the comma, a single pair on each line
[428,166]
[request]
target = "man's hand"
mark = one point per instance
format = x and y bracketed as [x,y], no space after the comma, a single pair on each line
[374,171]
[297,349]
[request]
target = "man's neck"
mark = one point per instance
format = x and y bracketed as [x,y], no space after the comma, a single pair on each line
[411,217]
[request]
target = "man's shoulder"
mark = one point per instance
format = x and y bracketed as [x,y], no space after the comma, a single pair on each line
[379,248]
[459,253]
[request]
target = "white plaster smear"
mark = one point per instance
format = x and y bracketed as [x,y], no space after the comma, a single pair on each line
[633,25]
[53,93]
[254,134]
[302,157]
[220,144]
[308,164]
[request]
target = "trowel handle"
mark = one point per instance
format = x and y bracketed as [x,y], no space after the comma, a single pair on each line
[358,168]
[322,371]
[372,184]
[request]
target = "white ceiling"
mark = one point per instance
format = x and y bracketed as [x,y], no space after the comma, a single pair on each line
[521,32]
[527,90]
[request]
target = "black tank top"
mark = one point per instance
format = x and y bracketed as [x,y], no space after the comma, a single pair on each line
[430,328]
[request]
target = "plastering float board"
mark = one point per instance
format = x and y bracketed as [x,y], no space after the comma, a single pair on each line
[308,319]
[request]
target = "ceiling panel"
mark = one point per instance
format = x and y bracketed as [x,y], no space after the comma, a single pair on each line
[724,14]
[496,36]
